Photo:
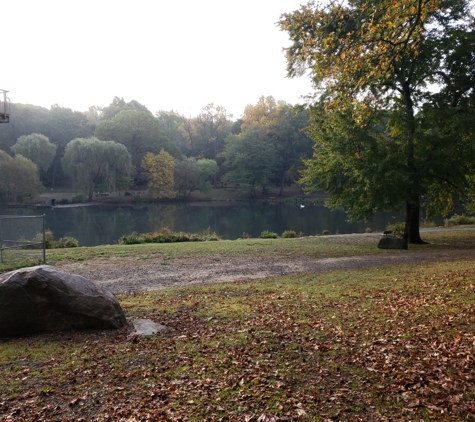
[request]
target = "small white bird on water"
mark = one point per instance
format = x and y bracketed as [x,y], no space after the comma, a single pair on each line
[302,206]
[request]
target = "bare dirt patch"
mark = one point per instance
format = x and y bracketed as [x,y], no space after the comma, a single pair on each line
[131,274]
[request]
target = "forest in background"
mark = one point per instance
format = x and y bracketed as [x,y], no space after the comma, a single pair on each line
[125,145]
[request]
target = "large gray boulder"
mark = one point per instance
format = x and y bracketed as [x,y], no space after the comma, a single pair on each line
[392,242]
[45,298]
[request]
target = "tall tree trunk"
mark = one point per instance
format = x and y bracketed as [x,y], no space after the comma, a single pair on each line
[54,176]
[411,230]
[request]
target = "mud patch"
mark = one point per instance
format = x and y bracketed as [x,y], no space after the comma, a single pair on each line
[129,274]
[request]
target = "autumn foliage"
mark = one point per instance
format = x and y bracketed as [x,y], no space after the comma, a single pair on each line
[393,108]
[159,173]
[374,345]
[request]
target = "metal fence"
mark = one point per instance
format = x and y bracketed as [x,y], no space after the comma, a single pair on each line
[22,239]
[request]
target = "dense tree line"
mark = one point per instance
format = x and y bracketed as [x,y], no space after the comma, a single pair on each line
[124,145]
[270,143]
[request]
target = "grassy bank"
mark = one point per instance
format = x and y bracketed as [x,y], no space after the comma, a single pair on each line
[318,247]
[381,344]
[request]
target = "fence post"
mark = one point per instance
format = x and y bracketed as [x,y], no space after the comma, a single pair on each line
[1,243]
[19,237]
[44,241]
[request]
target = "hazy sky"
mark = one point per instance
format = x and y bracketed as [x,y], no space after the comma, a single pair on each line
[168,55]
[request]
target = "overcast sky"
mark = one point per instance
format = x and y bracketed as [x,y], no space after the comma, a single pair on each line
[168,55]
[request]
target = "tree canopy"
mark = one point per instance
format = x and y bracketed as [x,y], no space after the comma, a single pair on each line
[140,132]
[251,160]
[159,173]
[172,124]
[24,120]
[282,127]
[19,178]
[192,174]
[393,112]
[37,148]
[201,138]
[115,107]
[91,162]
[268,142]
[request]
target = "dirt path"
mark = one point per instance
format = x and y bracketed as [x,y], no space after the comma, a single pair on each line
[125,275]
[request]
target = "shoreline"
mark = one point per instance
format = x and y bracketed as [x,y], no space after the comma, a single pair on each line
[292,194]
[124,202]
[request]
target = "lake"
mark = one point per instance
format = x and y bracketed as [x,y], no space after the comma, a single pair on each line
[105,224]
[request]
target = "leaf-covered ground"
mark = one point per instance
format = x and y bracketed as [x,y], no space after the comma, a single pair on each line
[382,344]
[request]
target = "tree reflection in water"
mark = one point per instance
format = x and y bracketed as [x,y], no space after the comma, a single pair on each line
[105,224]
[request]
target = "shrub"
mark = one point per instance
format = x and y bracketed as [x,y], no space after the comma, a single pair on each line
[207,235]
[289,234]
[369,230]
[266,234]
[50,243]
[426,224]
[181,237]
[49,239]
[78,199]
[146,238]
[131,239]
[62,201]
[70,242]
[458,220]
[246,235]
[326,232]
[397,228]
[165,235]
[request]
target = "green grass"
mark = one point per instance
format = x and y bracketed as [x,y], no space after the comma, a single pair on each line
[317,247]
[457,220]
[390,343]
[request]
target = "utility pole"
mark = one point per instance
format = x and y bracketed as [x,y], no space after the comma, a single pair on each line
[4,107]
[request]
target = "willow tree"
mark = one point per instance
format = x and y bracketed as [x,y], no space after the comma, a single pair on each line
[393,110]
[19,178]
[91,162]
[37,148]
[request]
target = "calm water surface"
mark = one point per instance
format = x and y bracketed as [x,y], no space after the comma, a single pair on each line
[105,224]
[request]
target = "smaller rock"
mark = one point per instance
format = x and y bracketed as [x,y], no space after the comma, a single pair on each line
[146,327]
[392,242]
